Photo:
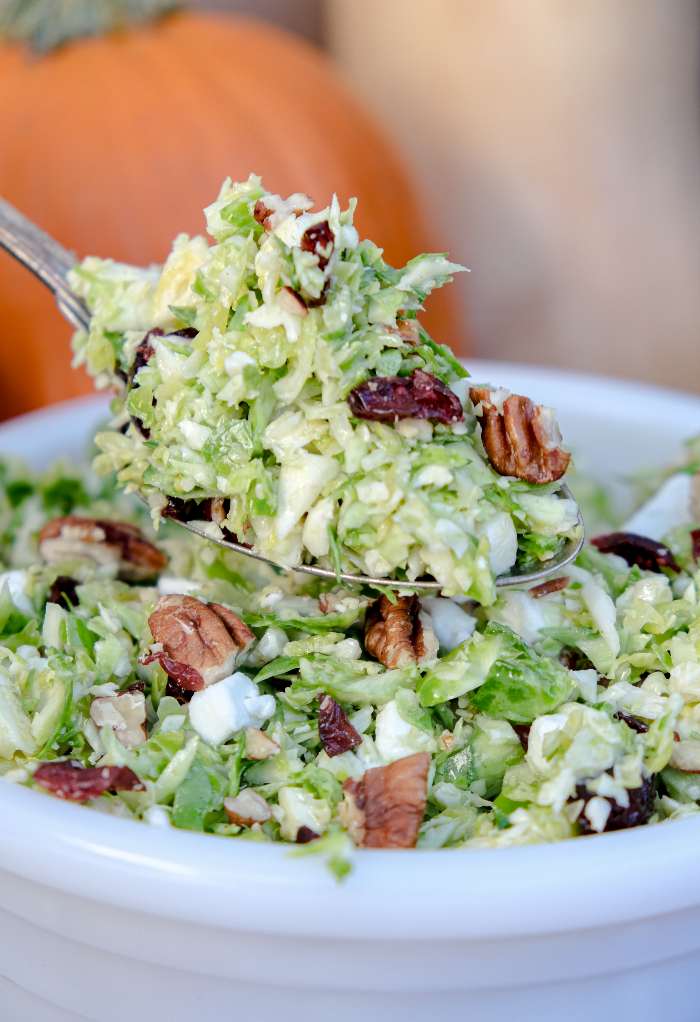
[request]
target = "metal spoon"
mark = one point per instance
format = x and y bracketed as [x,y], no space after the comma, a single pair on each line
[50,262]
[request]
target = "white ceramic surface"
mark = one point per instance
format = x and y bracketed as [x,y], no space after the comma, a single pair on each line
[106,919]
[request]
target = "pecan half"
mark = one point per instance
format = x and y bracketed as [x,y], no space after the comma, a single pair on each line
[418,396]
[64,591]
[125,713]
[399,633]
[640,550]
[524,441]
[553,585]
[334,728]
[76,784]
[209,638]
[407,329]
[104,542]
[319,240]
[247,808]
[258,745]
[384,808]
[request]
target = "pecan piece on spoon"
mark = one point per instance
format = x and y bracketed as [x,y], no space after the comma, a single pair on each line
[523,440]
[399,633]
[104,542]
[209,638]
[384,808]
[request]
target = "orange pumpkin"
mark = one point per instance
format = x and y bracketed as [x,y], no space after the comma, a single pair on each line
[114,144]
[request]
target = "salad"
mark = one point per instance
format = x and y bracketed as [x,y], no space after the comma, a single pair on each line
[278,388]
[164,678]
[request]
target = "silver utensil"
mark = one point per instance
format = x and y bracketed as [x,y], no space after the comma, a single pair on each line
[50,262]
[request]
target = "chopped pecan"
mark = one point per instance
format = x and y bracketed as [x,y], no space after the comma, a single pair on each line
[398,633]
[272,210]
[258,745]
[418,396]
[64,591]
[640,550]
[104,542]
[686,757]
[407,329]
[125,713]
[76,784]
[384,808]
[553,585]
[334,728]
[291,301]
[319,240]
[524,441]
[209,638]
[247,808]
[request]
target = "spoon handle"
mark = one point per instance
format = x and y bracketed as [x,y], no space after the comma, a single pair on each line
[48,260]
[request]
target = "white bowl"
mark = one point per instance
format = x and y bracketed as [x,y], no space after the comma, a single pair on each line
[108,919]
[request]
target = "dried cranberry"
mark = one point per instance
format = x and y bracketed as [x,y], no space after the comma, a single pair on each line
[306,834]
[64,591]
[553,585]
[640,550]
[181,510]
[314,303]
[418,396]
[75,783]
[695,539]
[632,722]
[334,728]
[640,809]
[185,676]
[144,353]
[189,332]
[320,236]
[523,733]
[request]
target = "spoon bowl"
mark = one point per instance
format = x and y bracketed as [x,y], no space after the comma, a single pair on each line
[50,262]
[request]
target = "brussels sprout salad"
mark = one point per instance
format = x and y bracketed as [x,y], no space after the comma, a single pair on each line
[278,388]
[164,678]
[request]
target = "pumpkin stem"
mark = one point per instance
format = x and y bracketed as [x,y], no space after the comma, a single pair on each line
[47,24]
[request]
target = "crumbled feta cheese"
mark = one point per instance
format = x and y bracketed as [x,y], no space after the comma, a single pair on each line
[395,738]
[235,363]
[451,624]
[16,582]
[228,706]
[170,586]
[596,812]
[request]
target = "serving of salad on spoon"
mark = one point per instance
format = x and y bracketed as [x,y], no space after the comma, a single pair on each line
[277,394]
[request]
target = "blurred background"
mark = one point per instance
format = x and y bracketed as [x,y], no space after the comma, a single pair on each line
[553,147]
